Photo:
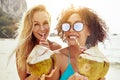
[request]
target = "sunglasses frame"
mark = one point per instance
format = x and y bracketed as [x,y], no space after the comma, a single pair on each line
[67,23]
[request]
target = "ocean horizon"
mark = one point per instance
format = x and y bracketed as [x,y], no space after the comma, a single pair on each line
[110,48]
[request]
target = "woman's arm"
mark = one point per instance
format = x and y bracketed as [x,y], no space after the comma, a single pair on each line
[32,77]
[22,71]
[55,73]
[23,75]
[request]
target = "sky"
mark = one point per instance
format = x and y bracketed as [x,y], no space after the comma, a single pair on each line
[108,10]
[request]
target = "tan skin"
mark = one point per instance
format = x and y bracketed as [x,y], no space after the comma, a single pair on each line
[40,31]
[75,50]
[75,40]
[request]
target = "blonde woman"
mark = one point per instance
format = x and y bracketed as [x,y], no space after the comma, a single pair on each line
[36,28]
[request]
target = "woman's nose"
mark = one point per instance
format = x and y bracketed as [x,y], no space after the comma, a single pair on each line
[42,27]
[43,34]
[71,29]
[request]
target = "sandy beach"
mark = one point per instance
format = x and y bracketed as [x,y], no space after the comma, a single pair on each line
[9,72]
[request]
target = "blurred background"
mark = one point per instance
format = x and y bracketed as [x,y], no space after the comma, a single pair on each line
[11,12]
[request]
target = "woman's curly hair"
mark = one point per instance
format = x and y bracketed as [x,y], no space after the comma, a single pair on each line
[97,26]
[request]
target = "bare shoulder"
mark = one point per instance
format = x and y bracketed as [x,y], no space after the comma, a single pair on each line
[57,53]
[60,54]
[61,58]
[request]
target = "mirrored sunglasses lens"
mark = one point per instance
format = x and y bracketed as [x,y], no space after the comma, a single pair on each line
[65,27]
[78,26]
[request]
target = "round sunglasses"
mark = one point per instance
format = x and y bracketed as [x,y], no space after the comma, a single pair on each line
[78,26]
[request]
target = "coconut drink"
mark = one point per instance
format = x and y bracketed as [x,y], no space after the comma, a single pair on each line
[93,64]
[40,61]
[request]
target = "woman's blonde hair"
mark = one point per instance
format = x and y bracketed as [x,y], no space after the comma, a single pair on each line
[26,38]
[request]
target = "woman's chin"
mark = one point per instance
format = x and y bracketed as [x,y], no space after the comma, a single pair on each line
[71,43]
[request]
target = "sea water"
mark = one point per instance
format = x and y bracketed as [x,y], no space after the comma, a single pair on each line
[110,48]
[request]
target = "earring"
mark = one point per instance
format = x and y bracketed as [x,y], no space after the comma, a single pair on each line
[88,34]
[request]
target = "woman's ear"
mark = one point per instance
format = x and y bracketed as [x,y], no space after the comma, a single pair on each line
[88,34]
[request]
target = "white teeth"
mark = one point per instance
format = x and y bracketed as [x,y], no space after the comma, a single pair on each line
[72,37]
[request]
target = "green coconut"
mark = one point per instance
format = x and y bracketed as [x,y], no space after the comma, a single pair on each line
[40,61]
[93,64]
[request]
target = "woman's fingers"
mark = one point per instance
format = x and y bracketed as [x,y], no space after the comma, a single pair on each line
[77,76]
[42,77]
[45,44]
[80,77]
[52,72]
[102,79]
